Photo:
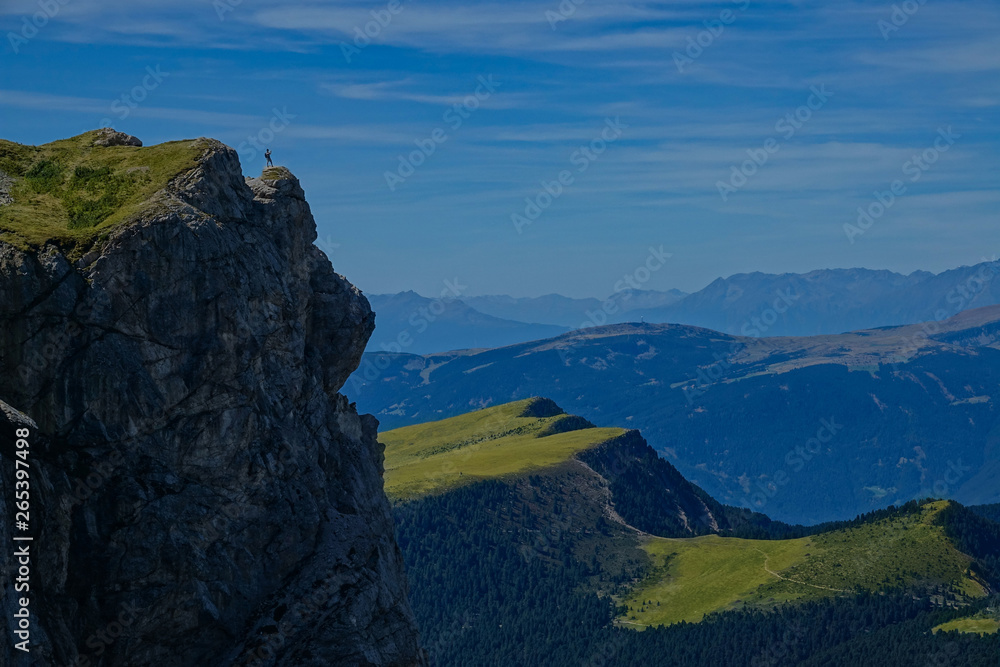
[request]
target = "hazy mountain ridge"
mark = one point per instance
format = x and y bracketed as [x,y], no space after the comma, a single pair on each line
[824,301]
[886,414]
[569,312]
[832,300]
[408,322]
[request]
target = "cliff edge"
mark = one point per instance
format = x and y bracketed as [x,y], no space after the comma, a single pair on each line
[200,493]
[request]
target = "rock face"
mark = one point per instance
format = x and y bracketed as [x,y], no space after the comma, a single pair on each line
[110,137]
[6,183]
[201,494]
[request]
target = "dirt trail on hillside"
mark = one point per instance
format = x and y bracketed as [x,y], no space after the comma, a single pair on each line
[795,581]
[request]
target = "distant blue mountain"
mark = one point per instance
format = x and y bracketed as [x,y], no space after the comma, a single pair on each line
[408,322]
[569,312]
[830,300]
[747,304]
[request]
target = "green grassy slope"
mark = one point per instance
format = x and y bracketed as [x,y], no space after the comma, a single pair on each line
[71,193]
[978,625]
[487,444]
[695,577]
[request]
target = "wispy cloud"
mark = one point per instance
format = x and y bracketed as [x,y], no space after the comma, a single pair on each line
[84,105]
[353,120]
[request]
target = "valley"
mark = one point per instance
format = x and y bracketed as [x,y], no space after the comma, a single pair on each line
[557,529]
[376,333]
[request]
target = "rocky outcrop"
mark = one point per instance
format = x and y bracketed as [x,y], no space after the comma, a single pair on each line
[201,493]
[6,183]
[651,494]
[109,137]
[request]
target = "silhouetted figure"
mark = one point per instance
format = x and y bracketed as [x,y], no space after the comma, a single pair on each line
[267,156]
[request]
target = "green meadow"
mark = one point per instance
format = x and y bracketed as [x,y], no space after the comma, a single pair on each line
[687,578]
[697,576]
[691,577]
[487,444]
[980,624]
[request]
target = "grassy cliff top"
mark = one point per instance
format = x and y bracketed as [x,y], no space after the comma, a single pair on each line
[72,193]
[495,442]
[697,576]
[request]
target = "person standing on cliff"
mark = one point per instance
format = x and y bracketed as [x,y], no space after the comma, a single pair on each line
[267,156]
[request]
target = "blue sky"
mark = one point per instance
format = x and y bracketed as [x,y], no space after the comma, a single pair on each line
[691,87]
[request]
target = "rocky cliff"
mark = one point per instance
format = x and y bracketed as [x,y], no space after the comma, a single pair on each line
[200,492]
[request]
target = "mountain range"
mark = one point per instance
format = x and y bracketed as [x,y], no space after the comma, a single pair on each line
[193,484]
[569,312]
[825,301]
[808,429]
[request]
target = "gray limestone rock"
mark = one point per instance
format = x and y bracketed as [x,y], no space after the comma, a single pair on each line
[6,183]
[109,137]
[201,492]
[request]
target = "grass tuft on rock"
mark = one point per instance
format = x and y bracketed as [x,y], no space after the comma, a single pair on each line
[275,174]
